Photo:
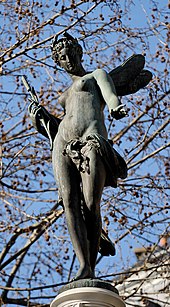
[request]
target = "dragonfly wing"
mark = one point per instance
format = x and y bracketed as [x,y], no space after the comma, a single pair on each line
[130,77]
[135,85]
[128,71]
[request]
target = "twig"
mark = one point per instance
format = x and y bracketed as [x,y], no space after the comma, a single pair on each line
[35,235]
[133,122]
[149,140]
[148,156]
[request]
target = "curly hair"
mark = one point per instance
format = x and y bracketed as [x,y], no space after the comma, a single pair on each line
[65,42]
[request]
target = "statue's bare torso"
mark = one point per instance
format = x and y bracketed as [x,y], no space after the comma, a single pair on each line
[84,106]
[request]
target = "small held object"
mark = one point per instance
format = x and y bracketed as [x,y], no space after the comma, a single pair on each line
[30,90]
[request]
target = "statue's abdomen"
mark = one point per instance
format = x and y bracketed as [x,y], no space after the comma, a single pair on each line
[83,115]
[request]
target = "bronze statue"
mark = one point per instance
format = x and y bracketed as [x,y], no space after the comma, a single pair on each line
[84,161]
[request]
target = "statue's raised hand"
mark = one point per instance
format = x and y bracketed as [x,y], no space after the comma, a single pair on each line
[33,108]
[37,114]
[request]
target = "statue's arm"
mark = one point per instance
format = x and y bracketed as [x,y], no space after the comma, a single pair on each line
[108,91]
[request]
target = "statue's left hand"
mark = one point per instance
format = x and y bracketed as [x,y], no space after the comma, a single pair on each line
[119,112]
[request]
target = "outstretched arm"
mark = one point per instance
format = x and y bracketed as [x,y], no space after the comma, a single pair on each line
[108,91]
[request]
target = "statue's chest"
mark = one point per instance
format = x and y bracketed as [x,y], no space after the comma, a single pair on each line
[84,84]
[83,91]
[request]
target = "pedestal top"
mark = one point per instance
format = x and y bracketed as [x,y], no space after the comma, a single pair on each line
[94,283]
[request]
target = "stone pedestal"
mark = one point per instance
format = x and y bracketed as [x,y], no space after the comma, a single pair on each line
[88,293]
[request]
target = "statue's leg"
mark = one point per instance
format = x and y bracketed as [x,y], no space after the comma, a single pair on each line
[68,179]
[93,185]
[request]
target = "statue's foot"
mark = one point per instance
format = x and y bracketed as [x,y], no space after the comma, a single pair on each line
[84,273]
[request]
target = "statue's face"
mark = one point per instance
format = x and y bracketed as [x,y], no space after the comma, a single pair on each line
[69,59]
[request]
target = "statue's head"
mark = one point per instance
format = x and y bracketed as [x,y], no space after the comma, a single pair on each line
[67,52]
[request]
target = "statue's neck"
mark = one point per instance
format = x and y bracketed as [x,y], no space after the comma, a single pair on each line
[80,72]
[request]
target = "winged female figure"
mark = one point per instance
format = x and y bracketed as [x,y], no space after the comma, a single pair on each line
[84,161]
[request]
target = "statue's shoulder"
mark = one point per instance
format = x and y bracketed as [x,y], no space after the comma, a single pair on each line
[97,74]
[98,71]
